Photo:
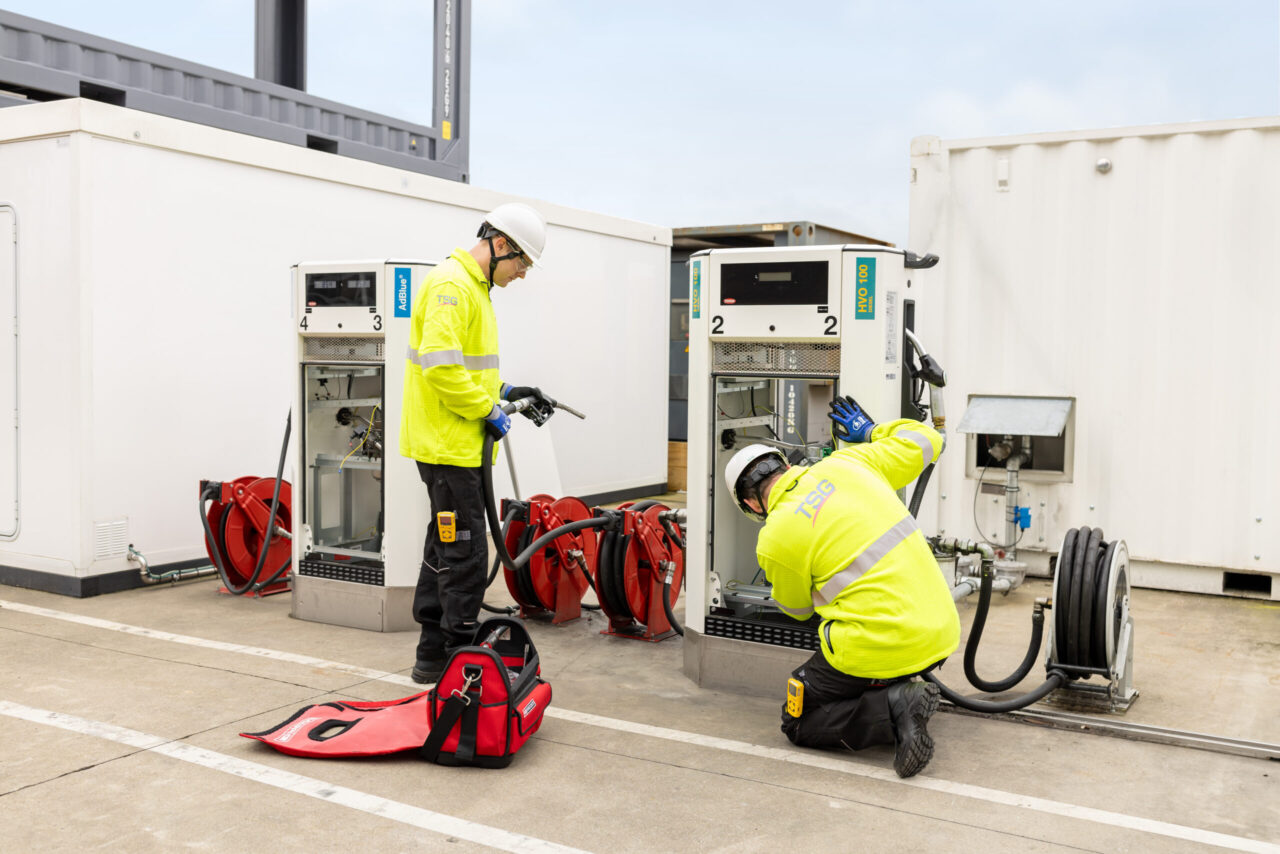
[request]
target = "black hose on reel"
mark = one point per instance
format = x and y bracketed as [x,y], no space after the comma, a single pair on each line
[1081,624]
[1083,582]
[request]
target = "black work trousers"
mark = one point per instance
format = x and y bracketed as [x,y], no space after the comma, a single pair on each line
[451,580]
[840,710]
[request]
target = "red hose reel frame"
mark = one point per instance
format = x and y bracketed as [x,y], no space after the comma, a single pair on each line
[552,582]
[648,550]
[238,519]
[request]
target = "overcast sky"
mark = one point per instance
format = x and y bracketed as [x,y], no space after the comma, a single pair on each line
[702,113]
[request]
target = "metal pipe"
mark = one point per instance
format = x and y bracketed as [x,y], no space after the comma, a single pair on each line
[953,545]
[965,586]
[173,575]
[1012,466]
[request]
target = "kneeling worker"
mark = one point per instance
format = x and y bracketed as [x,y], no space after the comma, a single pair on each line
[837,540]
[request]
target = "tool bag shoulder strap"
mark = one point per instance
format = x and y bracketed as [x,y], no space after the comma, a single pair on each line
[490,698]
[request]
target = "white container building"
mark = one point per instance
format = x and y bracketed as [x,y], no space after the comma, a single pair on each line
[149,275]
[1132,272]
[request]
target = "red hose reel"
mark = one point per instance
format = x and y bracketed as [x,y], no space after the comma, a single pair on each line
[554,579]
[238,516]
[631,571]
[629,561]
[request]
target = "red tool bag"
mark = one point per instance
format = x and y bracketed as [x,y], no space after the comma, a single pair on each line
[489,700]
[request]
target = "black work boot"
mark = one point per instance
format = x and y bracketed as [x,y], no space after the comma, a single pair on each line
[427,671]
[911,704]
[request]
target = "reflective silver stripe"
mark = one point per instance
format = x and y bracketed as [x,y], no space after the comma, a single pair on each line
[798,613]
[451,357]
[480,363]
[870,556]
[926,447]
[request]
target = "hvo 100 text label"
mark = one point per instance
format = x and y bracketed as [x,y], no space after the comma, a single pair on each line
[865,306]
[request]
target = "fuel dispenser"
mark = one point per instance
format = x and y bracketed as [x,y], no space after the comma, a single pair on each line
[360,511]
[775,335]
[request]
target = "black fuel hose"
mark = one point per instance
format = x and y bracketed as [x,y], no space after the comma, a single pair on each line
[666,605]
[918,495]
[591,582]
[975,637]
[673,531]
[491,512]
[567,528]
[275,503]
[500,542]
[497,562]
[219,543]
[1056,680]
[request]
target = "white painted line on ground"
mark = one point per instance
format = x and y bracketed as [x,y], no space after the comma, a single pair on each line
[813,759]
[833,762]
[205,643]
[481,834]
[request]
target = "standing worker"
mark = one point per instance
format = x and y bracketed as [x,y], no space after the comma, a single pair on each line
[838,541]
[451,398]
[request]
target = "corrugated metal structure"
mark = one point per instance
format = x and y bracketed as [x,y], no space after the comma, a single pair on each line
[40,61]
[147,271]
[1133,272]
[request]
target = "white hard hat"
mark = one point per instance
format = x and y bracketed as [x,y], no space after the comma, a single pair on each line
[743,475]
[522,224]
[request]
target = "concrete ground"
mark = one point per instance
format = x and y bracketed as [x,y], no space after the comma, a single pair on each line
[119,722]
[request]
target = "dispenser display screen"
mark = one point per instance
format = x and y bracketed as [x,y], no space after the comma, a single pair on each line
[341,290]
[774,283]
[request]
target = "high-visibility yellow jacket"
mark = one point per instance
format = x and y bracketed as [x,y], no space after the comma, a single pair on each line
[451,371]
[837,540]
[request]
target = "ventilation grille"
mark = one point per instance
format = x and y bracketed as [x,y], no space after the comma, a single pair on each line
[800,637]
[754,358]
[110,539]
[342,349]
[338,570]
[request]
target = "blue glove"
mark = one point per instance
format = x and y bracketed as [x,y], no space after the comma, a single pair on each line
[850,423]
[497,422]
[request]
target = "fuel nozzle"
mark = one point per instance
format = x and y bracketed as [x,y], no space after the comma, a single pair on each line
[494,636]
[538,409]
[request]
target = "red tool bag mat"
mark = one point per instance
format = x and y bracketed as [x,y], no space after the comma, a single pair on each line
[489,700]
